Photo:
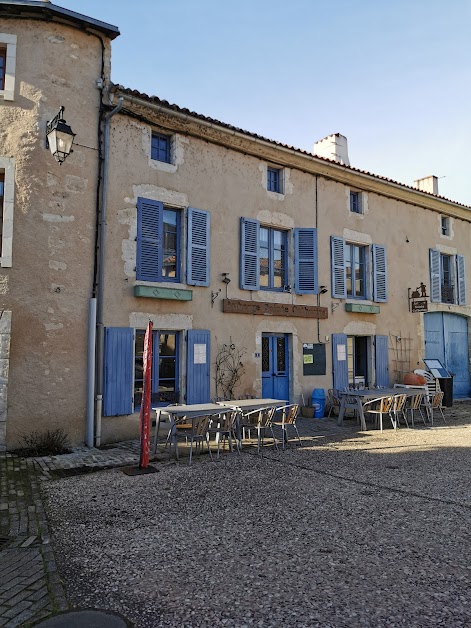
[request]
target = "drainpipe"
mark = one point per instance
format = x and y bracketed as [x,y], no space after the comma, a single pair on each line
[100,282]
[91,371]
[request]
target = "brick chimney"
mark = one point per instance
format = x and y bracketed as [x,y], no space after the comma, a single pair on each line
[333,147]
[427,184]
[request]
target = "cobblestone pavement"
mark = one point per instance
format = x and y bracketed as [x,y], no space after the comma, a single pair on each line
[30,585]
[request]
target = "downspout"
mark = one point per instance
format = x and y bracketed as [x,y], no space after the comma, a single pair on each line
[100,280]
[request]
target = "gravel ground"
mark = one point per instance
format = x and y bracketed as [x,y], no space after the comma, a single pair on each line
[368,530]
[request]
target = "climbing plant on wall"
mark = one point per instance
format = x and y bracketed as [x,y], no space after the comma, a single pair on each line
[229,369]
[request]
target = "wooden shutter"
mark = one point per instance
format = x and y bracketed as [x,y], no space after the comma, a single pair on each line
[461,279]
[249,254]
[149,239]
[198,247]
[119,370]
[380,274]
[435,276]
[198,366]
[339,361]
[305,259]
[381,361]
[339,275]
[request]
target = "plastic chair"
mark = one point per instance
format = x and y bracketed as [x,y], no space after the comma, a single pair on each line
[378,407]
[288,419]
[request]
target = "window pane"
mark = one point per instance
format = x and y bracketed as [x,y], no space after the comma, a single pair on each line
[265,354]
[264,259]
[348,266]
[2,68]
[278,260]
[280,354]
[167,344]
[170,260]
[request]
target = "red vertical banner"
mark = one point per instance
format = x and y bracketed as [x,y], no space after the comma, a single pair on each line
[146,394]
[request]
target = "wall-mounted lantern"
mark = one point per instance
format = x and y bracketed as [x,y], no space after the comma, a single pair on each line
[59,137]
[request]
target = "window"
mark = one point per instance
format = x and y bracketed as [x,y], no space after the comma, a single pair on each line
[357,360]
[447,278]
[272,259]
[160,148]
[7,65]
[355,202]
[445,226]
[3,64]
[355,257]
[264,258]
[7,199]
[159,248]
[359,271]
[165,363]
[274,180]
[2,194]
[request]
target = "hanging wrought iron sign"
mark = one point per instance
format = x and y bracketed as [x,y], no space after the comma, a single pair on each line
[418,299]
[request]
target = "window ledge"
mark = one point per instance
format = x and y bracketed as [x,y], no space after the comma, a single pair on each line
[161,284]
[163,166]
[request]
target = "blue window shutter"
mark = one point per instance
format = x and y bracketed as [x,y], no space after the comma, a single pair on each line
[381,361]
[305,260]
[461,279]
[119,371]
[380,274]
[435,276]
[197,370]
[149,239]
[249,254]
[339,275]
[339,366]
[198,247]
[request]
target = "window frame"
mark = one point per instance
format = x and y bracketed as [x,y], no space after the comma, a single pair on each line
[355,194]
[275,179]
[167,150]
[156,333]
[448,290]
[271,260]
[8,45]
[3,67]
[364,252]
[178,246]
[445,226]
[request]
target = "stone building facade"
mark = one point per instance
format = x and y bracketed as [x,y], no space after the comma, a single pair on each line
[301,262]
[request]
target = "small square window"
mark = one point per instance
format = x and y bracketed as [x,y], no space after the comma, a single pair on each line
[160,149]
[274,180]
[355,202]
[445,226]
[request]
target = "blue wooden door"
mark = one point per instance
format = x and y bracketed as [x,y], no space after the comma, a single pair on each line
[446,339]
[275,366]
[198,366]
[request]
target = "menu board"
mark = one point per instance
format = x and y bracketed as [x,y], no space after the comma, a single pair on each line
[436,368]
[313,359]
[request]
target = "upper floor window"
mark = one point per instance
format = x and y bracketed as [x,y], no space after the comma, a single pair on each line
[7,65]
[273,275]
[445,225]
[3,64]
[355,266]
[264,258]
[2,193]
[274,180]
[160,148]
[159,243]
[447,278]
[359,271]
[355,202]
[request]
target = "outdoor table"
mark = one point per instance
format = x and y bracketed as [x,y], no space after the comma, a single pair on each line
[366,394]
[189,411]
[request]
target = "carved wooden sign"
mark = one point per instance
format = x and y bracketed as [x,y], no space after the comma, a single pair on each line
[234,306]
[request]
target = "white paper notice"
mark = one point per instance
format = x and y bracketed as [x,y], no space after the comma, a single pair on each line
[341,353]
[199,354]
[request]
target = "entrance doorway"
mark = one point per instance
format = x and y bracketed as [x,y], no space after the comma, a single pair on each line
[357,360]
[446,339]
[275,366]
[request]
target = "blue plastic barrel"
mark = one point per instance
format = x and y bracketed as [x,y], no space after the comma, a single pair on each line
[318,398]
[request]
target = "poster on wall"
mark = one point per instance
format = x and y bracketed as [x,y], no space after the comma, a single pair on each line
[313,359]
[341,353]
[199,354]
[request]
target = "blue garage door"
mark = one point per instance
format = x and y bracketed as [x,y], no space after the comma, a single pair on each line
[446,339]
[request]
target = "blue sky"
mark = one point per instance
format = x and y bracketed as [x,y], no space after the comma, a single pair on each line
[394,77]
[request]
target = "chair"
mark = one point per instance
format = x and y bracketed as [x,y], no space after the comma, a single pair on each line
[224,427]
[398,409]
[413,404]
[378,407]
[333,401]
[289,415]
[261,420]
[432,403]
[199,434]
